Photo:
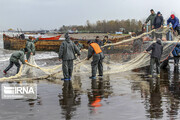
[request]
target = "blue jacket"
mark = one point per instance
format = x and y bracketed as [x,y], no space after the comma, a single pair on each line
[174,22]
[176,51]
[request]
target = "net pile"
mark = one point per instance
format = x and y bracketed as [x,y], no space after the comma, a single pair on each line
[121,56]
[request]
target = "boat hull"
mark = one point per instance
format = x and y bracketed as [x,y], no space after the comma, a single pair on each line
[13,43]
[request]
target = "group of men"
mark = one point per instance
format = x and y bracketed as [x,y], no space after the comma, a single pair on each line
[156,22]
[67,54]
[19,55]
[68,51]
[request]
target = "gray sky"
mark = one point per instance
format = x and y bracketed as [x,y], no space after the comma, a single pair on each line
[51,14]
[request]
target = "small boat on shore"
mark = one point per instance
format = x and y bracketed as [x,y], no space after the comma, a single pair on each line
[47,44]
[15,43]
[51,38]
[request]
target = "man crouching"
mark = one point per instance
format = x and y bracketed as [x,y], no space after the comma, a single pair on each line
[14,59]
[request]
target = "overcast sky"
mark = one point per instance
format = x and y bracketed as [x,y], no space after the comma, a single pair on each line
[51,14]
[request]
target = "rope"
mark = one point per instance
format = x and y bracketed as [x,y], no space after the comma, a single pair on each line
[126,66]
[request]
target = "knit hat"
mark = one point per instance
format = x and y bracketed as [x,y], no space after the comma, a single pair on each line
[89,42]
[158,12]
[172,16]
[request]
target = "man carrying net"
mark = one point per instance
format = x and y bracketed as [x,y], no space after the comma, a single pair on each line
[14,59]
[157,50]
[98,56]
[67,53]
[30,46]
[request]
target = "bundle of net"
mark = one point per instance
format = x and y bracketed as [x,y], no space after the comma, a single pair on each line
[127,55]
[124,55]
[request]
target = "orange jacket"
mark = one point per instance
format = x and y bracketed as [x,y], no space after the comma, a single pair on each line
[96,48]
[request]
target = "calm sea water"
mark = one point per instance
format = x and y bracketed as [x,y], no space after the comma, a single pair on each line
[123,96]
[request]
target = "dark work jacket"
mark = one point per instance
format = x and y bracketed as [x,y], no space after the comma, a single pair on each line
[16,56]
[91,53]
[106,41]
[100,43]
[157,49]
[30,45]
[158,21]
[68,50]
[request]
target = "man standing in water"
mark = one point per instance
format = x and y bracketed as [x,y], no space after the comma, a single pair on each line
[14,59]
[98,56]
[157,50]
[30,46]
[67,53]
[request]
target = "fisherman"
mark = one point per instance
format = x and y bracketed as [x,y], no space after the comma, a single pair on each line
[158,24]
[151,18]
[14,59]
[106,40]
[106,49]
[98,41]
[176,54]
[22,36]
[79,45]
[67,53]
[157,50]
[175,23]
[98,56]
[30,45]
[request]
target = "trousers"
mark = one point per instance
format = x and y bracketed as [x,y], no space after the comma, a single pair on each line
[67,66]
[11,65]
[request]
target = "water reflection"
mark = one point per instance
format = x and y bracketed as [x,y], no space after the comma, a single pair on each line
[68,100]
[99,89]
[155,99]
[163,95]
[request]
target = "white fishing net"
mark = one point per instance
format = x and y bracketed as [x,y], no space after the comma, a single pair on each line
[121,56]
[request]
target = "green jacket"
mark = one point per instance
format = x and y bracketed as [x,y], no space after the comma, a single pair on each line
[68,50]
[30,45]
[151,19]
[18,55]
[80,46]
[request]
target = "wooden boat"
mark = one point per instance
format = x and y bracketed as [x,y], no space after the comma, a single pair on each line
[15,43]
[51,38]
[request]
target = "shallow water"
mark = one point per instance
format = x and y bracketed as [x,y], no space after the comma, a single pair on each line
[120,96]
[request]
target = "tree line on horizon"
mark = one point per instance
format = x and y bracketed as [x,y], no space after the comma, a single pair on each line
[111,26]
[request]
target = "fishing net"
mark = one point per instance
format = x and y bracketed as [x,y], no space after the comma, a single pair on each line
[121,56]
